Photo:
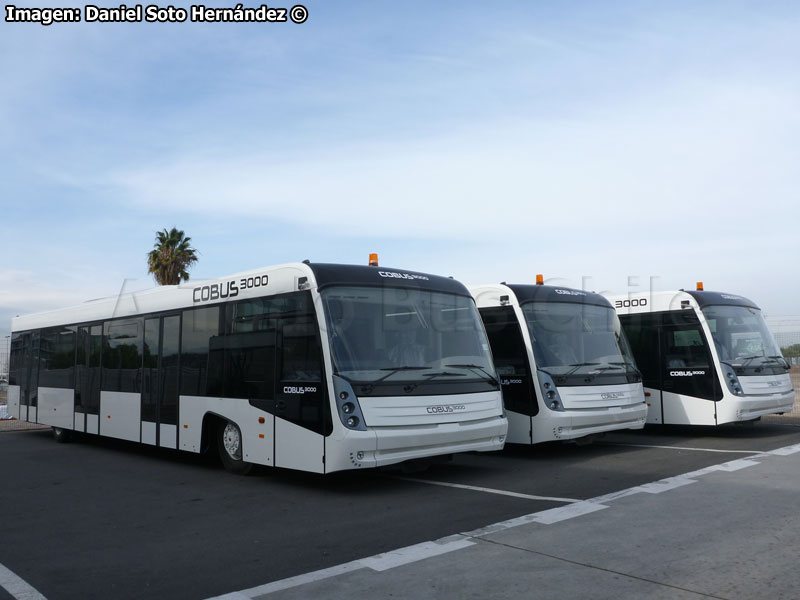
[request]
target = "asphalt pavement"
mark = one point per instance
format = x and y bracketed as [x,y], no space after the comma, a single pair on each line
[669,512]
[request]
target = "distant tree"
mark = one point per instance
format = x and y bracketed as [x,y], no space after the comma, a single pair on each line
[793,350]
[171,257]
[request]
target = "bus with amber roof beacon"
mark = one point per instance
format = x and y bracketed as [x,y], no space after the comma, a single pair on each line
[707,358]
[309,366]
[565,367]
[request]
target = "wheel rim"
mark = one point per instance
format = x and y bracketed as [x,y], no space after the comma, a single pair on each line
[232,441]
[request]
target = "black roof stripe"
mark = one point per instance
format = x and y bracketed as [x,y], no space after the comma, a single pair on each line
[361,275]
[555,293]
[716,298]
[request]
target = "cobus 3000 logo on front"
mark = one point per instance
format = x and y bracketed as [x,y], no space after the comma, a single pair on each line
[448,408]
[227,289]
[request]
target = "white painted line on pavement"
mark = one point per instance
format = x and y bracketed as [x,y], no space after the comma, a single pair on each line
[786,451]
[424,550]
[17,587]
[489,490]
[379,562]
[404,556]
[285,584]
[684,448]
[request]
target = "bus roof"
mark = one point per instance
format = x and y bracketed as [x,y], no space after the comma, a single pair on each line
[554,293]
[704,298]
[361,275]
[278,279]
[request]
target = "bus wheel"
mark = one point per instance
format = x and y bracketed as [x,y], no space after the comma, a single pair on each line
[229,441]
[61,435]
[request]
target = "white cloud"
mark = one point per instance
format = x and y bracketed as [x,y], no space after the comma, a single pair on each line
[692,157]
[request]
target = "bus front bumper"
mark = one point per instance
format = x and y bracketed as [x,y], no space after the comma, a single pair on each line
[398,444]
[573,424]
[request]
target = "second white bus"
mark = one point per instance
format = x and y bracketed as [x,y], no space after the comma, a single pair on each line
[564,364]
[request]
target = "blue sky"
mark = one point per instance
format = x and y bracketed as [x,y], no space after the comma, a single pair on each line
[589,141]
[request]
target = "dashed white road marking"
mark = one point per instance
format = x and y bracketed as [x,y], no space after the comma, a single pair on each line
[18,587]
[756,452]
[574,508]
[490,490]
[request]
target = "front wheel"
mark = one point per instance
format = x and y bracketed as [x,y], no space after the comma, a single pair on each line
[229,439]
[61,435]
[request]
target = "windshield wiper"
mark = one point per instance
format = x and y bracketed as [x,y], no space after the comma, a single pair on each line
[579,365]
[778,358]
[393,370]
[628,365]
[443,374]
[748,359]
[489,376]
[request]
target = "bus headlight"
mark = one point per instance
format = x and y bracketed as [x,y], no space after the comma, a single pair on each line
[552,400]
[730,378]
[347,404]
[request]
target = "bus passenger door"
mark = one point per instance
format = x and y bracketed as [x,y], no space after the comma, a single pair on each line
[160,381]
[688,375]
[302,416]
[511,362]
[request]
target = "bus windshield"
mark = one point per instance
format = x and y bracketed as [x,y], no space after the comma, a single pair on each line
[405,335]
[571,338]
[742,337]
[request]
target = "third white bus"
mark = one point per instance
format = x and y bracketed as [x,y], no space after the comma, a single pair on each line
[707,358]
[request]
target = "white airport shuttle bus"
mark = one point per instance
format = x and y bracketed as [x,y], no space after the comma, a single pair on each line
[564,365]
[317,367]
[706,358]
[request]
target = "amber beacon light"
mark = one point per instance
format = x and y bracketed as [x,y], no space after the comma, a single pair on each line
[373,259]
[699,286]
[540,279]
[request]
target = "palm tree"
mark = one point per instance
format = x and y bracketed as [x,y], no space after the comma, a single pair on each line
[170,257]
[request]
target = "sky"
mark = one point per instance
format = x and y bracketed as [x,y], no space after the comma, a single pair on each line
[611,146]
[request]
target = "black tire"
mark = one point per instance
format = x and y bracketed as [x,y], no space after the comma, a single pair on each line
[62,435]
[229,445]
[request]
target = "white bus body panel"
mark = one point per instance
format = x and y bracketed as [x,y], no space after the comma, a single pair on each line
[92,424]
[121,415]
[168,436]
[589,410]
[148,433]
[255,449]
[388,445]
[765,395]
[653,398]
[520,428]
[298,448]
[688,410]
[13,401]
[425,410]
[583,397]
[57,406]
[80,422]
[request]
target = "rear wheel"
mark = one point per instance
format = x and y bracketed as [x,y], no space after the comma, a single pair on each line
[229,440]
[62,435]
